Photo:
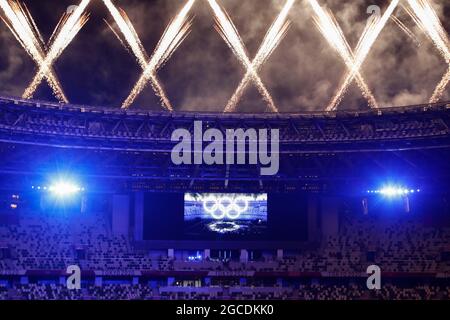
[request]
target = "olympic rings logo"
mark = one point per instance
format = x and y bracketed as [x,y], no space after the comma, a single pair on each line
[225,207]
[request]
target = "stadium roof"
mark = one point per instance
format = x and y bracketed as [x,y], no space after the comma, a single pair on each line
[132,148]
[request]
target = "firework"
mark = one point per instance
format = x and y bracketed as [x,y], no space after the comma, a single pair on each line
[20,22]
[133,43]
[369,37]
[116,34]
[442,85]
[271,41]
[329,27]
[229,33]
[67,30]
[406,30]
[173,36]
[426,18]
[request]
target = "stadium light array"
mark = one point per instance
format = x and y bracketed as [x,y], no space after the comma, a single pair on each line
[394,191]
[61,189]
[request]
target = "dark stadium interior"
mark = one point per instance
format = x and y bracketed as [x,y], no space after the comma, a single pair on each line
[125,231]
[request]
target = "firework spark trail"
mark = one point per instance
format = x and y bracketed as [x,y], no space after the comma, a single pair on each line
[128,32]
[229,33]
[24,29]
[67,32]
[35,29]
[57,29]
[442,85]
[132,39]
[427,19]
[406,30]
[363,48]
[173,36]
[116,34]
[330,29]
[271,41]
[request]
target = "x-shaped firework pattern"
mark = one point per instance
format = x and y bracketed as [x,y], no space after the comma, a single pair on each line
[20,22]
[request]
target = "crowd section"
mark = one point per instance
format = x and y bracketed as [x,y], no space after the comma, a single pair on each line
[299,292]
[97,124]
[51,242]
[305,132]
[44,241]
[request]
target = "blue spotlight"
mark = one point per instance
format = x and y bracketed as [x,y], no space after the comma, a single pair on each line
[64,189]
[60,187]
[392,191]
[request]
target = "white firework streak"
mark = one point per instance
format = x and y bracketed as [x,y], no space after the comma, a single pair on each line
[271,41]
[363,49]
[67,32]
[173,36]
[229,33]
[330,29]
[406,30]
[24,29]
[426,18]
[132,39]
[442,85]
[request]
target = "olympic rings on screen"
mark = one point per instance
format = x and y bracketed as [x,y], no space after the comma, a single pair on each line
[225,207]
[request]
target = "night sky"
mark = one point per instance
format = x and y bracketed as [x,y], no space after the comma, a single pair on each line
[302,74]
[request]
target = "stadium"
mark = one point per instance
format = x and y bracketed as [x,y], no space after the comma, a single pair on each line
[94,207]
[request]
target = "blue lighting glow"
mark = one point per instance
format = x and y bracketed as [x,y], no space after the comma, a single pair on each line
[197,257]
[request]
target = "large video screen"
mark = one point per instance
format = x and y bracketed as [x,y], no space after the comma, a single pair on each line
[225,215]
